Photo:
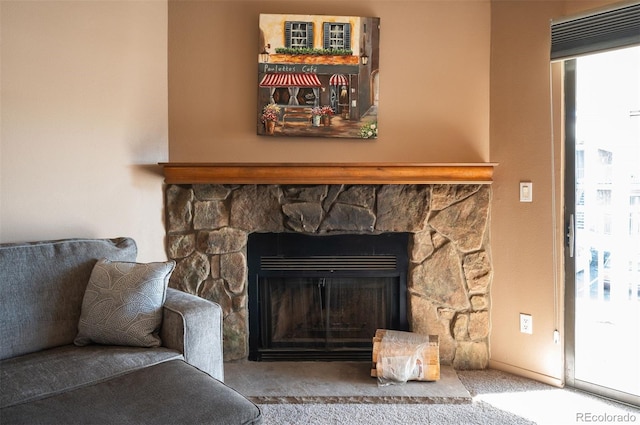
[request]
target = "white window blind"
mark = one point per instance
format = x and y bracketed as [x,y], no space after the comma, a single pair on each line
[608,29]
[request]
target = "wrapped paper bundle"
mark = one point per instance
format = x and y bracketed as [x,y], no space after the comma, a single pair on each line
[400,356]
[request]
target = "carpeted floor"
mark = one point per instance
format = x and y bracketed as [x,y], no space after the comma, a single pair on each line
[496,398]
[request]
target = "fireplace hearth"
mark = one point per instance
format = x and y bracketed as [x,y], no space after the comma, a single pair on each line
[323,297]
[448,274]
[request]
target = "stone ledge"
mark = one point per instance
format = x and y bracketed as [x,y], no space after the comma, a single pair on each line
[323,173]
[336,382]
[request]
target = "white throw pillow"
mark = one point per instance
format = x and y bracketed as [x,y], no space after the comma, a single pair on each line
[123,304]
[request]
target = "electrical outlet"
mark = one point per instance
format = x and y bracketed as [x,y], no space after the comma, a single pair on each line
[526,323]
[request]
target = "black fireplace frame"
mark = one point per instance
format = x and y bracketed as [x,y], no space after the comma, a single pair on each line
[300,246]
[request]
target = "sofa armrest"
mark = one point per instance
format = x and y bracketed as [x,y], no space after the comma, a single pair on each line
[193,326]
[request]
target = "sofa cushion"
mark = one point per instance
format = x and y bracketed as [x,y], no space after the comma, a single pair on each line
[42,287]
[168,393]
[123,303]
[49,372]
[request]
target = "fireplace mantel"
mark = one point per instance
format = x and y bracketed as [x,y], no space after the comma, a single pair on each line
[324,173]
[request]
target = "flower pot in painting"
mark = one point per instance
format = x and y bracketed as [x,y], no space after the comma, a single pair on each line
[269,126]
[315,120]
[326,120]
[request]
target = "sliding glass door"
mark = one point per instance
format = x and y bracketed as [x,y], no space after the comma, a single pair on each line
[602,93]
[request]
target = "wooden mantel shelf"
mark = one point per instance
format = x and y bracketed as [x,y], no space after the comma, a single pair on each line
[324,173]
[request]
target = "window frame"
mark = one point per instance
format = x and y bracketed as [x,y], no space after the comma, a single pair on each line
[327,36]
[307,37]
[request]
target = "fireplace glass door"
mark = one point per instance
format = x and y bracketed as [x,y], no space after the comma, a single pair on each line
[324,297]
[326,313]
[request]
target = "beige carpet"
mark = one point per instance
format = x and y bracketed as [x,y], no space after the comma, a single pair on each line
[496,398]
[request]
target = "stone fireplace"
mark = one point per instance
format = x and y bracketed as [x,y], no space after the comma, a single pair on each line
[449,272]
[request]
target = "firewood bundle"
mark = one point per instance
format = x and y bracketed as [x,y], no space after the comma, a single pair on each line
[405,356]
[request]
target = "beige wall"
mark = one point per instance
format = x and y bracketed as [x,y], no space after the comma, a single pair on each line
[84,111]
[434,83]
[527,241]
[460,81]
[84,101]
[526,278]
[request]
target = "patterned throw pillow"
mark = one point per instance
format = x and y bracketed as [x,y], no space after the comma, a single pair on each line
[123,304]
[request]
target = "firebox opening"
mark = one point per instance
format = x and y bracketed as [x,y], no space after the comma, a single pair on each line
[323,297]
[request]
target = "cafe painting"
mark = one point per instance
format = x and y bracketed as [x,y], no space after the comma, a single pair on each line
[318,76]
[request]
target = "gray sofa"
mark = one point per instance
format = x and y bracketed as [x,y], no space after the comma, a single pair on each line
[46,378]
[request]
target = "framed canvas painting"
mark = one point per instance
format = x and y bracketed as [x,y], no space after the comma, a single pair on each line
[318,76]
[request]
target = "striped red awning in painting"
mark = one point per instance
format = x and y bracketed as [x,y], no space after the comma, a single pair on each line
[338,80]
[290,80]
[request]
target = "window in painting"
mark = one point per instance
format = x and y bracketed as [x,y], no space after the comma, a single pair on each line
[281,96]
[306,96]
[337,36]
[299,35]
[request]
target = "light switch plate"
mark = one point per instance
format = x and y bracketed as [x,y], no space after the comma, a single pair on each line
[526,192]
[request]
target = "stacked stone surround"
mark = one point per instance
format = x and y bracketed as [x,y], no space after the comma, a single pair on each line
[450,270]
